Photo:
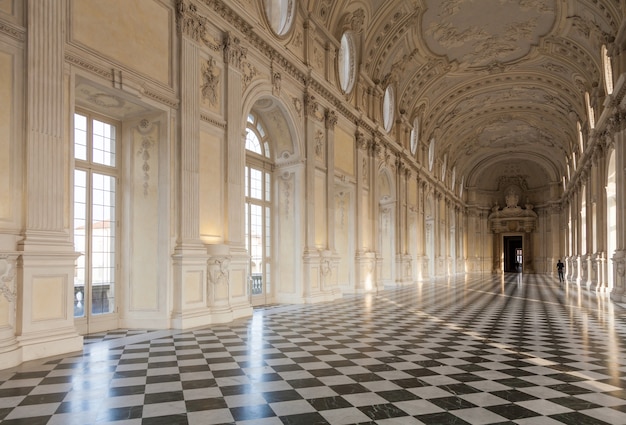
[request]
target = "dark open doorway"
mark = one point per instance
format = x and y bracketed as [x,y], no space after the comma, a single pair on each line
[513,254]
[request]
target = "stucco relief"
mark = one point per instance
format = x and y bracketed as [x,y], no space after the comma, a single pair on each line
[498,37]
[286,190]
[147,142]
[319,145]
[210,83]
[248,73]
[7,277]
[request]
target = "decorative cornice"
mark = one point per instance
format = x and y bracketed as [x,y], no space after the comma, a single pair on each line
[210,120]
[88,66]
[172,102]
[13,31]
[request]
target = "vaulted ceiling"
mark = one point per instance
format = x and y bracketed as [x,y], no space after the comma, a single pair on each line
[499,84]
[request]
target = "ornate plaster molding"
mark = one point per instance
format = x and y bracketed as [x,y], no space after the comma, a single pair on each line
[7,277]
[13,31]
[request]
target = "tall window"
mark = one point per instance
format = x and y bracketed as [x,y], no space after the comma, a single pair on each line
[258,191]
[346,62]
[415,132]
[581,140]
[611,219]
[95,212]
[591,114]
[583,221]
[608,70]
[388,108]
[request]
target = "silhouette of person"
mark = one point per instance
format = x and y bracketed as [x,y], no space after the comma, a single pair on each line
[559,267]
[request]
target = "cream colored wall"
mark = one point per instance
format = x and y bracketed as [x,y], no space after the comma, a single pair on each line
[6,136]
[286,256]
[6,6]
[139,38]
[320,210]
[366,219]
[5,311]
[210,175]
[344,151]
[412,188]
[48,298]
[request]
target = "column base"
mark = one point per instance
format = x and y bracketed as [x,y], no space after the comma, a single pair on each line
[45,344]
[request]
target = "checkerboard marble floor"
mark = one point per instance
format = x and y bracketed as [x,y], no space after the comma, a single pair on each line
[517,349]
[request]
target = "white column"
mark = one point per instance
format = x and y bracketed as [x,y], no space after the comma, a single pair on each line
[619,257]
[45,279]
[191,287]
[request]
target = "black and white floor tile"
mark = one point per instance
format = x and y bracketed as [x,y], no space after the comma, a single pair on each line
[517,349]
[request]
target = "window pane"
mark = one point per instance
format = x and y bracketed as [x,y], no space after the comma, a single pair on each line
[268,187]
[80,220]
[247,183]
[103,143]
[256,184]
[247,230]
[252,142]
[268,232]
[103,236]
[80,137]
[256,235]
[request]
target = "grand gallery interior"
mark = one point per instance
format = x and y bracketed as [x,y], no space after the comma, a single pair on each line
[282,211]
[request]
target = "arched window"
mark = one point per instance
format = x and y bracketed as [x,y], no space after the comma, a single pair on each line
[256,139]
[608,70]
[346,62]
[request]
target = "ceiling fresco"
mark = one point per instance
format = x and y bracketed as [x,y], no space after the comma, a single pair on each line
[494,81]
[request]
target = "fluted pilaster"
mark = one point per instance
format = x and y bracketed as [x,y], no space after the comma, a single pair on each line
[190,136]
[45,152]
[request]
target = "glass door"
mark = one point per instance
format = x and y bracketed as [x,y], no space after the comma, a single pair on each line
[95,224]
[258,233]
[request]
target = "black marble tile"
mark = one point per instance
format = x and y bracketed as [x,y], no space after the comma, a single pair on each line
[205,404]
[441,418]
[451,403]
[120,413]
[512,411]
[578,418]
[180,419]
[312,418]
[284,395]
[246,413]
[397,395]
[383,411]
[349,389]
[574,403]
[329,403]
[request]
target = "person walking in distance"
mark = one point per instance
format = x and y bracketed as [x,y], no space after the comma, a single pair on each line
[559,268]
